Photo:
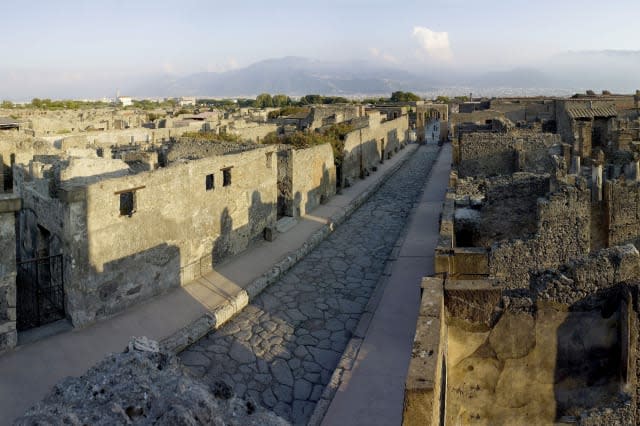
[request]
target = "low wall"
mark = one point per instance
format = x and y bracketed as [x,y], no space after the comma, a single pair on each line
[426,378]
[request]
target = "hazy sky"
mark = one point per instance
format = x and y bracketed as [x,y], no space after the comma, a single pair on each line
[73,39]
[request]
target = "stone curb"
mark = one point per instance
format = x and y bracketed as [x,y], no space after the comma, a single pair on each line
[351,351]
[213,320]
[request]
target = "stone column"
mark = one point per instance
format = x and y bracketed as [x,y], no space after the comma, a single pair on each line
[632,171]
[596,182]
[575,165]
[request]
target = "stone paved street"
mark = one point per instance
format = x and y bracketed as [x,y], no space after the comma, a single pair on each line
[281,350]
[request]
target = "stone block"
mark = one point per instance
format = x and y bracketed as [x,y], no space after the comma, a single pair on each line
[432,294]
[10,203]
[8,340]
[422,384]
[473,304]
[470,261]
[270,234]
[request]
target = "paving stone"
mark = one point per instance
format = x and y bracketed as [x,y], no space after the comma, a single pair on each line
[217,348]
[281,372]
[283,393]
[349,306]
[316,393]
[240,389]
[296,315]
[306,340]
[301,411]
[283,410]
[334,325]
[302,389]
[263,378]
[311,367]
[194,358]
[294,363]
[324,344]
[241,353]
[326,358]
[301,352]
[321,334]
[263,367]
[268,398]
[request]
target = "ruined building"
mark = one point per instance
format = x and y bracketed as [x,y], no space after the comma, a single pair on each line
[532,317]
[101,220]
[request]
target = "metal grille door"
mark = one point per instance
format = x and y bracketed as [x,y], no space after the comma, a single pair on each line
[40,292]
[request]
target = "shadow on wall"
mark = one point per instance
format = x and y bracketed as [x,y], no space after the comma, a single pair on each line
[590,363]
[97,290]
[232,240]
[540,363]
[316,196]
[6,173]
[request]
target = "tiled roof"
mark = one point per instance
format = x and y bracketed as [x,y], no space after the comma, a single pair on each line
[586,112]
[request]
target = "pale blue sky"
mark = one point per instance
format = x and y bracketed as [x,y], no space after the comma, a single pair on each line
[193,35]
[61,41]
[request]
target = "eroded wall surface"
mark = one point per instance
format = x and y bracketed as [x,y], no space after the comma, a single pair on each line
[489,154]
[563,232]
[9,204]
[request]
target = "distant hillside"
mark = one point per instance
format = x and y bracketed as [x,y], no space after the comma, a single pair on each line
[293,76]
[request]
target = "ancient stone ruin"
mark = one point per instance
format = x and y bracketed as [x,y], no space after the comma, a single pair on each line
[532,316]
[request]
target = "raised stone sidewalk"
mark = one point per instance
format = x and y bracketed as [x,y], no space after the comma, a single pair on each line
[367,387]
[183,315]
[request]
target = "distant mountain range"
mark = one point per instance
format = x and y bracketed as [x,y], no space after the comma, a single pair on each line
[290,75]
[611,70]
[562,74]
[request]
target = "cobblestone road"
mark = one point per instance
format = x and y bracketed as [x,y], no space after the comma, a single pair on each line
[281,350]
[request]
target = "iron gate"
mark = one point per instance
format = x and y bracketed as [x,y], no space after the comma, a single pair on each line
[40,292]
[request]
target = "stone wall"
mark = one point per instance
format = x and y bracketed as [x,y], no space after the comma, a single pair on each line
[254,133]
[563,232]
[312,178]
[365,148]
[587,276]
[124,137]
[489,154]
[9,204]
[426,378]
[622,211]
[525,109]
[477,117]
[495,208]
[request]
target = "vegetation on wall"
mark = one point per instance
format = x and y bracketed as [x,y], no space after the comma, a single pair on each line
[286,111]
[333,135]
[212,136]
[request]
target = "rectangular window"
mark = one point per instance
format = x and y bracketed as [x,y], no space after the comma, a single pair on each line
[226,176]
[269,159]
[127,203]
[208,182]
